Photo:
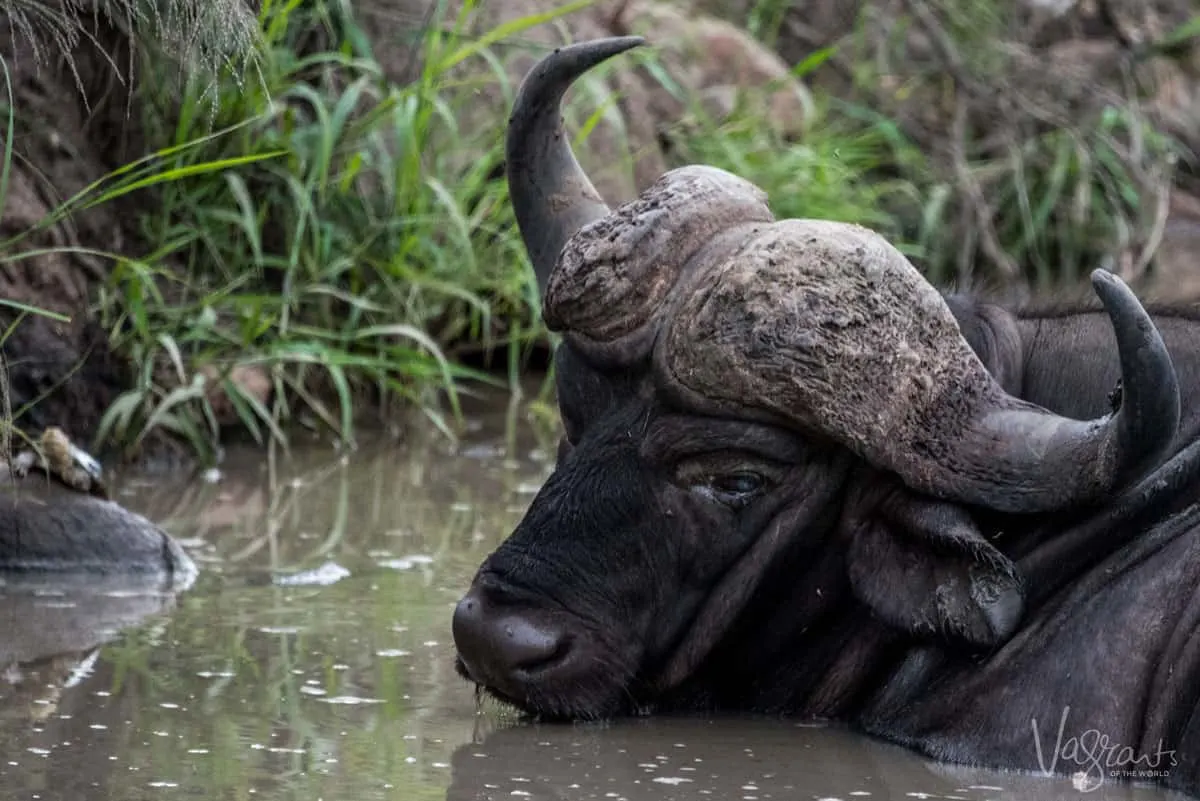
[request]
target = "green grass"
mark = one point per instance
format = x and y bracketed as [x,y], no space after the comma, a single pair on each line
[346,254]
[352,237]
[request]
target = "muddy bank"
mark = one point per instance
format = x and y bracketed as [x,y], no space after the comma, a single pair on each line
[63,372]
[1046,66]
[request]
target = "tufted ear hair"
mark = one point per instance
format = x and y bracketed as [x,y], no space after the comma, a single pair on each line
[922,565]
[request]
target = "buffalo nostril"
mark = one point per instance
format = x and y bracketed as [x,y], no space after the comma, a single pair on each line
[526,646]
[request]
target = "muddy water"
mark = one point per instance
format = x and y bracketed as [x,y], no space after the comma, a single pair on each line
[312,660]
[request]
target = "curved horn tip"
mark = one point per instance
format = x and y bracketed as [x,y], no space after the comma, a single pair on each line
[551,195]
[1129,317]
[597,50]
[1150,386]
[1110,287]
[544,85]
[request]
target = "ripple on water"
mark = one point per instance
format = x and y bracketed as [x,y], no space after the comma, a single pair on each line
[406,562]
[328,573]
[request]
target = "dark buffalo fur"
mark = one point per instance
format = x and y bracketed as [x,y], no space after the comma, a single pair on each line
[649,576]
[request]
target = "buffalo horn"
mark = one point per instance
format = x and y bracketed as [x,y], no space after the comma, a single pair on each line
[551,194]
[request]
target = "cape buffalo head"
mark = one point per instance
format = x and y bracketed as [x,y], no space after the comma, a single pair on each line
[757,407]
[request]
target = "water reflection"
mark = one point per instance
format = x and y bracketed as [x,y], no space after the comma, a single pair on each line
[312,659]
[53,630]
[751,760]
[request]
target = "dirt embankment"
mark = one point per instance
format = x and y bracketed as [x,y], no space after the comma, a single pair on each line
[63,373]
[1052,63]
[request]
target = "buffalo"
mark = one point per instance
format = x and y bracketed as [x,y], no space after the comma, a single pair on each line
[797,479]
[57,519]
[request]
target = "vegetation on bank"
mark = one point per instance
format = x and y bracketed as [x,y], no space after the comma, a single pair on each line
[309,219]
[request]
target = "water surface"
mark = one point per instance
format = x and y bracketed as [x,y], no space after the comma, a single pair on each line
[312,659]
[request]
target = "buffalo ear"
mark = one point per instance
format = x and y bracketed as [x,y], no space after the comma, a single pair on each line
[923,566]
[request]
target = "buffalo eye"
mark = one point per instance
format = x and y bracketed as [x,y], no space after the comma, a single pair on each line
[732,478]
[737,489]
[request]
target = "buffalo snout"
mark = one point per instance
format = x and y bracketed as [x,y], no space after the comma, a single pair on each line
[510,648]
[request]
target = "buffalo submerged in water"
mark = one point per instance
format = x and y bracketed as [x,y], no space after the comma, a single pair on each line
[797,479]
[57,519]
